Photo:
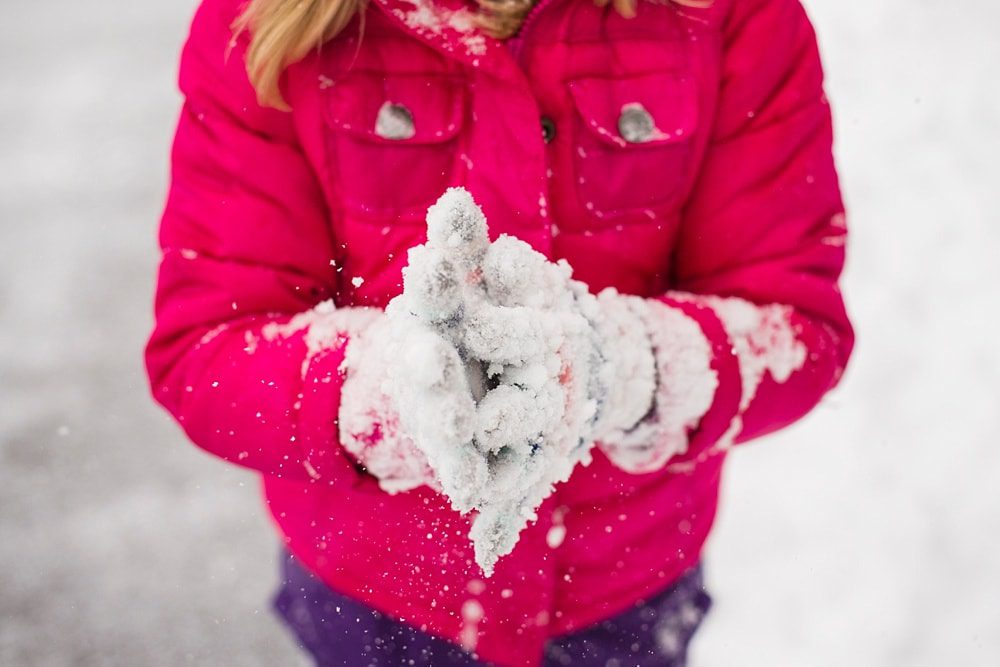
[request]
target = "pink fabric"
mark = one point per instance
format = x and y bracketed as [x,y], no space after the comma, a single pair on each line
[270,213]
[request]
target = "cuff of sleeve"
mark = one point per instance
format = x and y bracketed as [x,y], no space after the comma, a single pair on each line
[327,332]
[323,458]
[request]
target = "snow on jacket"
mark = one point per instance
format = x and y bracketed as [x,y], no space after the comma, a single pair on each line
[686,157]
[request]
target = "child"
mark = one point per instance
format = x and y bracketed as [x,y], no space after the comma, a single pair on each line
[678,152]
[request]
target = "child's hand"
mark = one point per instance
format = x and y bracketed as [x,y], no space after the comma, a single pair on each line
[404,382]
[527,354]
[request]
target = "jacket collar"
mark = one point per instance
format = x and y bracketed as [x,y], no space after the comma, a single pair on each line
[449,26]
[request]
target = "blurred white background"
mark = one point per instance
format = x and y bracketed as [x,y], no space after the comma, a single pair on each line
[865,535]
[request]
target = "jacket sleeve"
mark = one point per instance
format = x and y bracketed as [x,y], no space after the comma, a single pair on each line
[245,353]
[762,240]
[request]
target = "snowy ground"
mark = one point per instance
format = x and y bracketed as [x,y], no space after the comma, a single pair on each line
[866,535]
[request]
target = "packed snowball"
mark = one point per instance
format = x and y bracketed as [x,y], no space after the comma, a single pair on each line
[501,371]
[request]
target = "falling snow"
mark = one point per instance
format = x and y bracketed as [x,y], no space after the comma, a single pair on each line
[863,475]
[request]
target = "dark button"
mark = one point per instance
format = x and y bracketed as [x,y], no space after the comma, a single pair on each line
[548,129]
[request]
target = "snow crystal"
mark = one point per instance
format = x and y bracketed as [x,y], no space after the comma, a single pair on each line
[212,333]
[472,614]
[555,537]
[837,240]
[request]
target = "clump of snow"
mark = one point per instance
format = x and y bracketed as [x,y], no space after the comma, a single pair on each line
[472,614]
[429,18]
[517,337]
[213,333]
[322,327]
[764,341]
[368,418]
[556,534]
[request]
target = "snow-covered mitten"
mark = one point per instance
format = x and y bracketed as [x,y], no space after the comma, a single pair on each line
[528,357]
[682,390]
[629,366]
[531,333]
[400,371]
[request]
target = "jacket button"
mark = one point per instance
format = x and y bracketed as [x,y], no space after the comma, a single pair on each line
[548,129]
[394,121]
[635,124]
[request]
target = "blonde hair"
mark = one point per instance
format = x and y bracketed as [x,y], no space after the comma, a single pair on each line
[285,31]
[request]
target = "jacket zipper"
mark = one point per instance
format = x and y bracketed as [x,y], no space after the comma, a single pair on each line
[517,42]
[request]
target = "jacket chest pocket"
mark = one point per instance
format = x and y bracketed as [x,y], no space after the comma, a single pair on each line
[393,141]
[632,142]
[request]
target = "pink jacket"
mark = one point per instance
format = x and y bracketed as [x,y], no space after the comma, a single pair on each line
[730,192]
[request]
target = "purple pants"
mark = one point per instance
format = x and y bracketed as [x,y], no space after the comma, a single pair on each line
[340,631]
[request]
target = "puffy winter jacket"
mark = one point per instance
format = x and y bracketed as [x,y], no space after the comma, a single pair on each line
[683,155]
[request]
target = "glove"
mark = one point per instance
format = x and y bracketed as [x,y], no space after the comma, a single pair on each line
[389,363]
[683,383]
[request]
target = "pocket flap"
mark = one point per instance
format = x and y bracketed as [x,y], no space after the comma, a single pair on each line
[397,108]
[637,111]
